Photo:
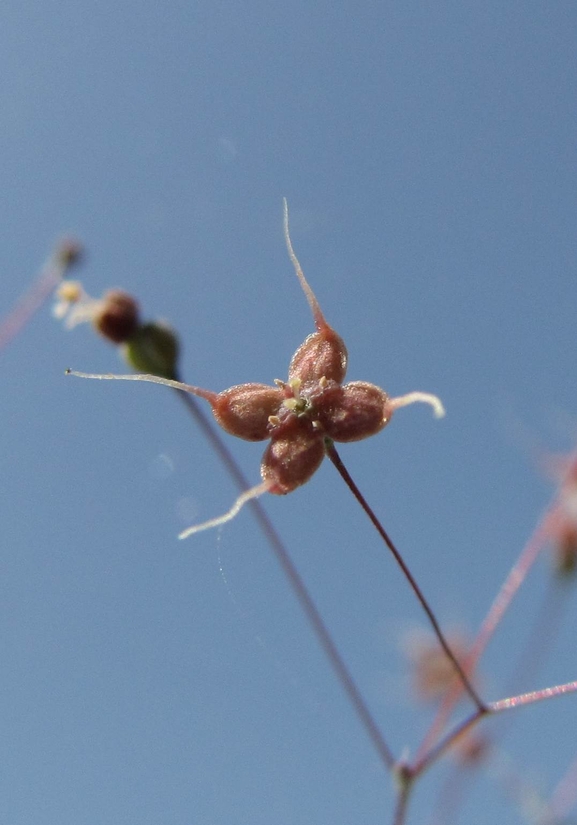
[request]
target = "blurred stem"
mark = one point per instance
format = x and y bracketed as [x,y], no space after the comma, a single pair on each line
[544,633]
[449,740]
[406,781]
[303,596]
[500,605]
[564,795]
[41,289]
[511,702]
[344,473]
[531,697]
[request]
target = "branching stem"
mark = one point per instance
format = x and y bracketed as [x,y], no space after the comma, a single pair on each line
[488,710]
[336,460]
[448,741]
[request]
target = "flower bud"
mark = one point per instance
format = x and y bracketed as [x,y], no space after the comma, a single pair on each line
[153,348]
[116,316]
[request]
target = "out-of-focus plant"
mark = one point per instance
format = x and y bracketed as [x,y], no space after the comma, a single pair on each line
[303,417]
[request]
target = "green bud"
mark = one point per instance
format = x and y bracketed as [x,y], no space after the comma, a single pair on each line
[153,348]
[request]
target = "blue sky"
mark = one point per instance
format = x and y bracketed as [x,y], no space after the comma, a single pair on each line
[428,153]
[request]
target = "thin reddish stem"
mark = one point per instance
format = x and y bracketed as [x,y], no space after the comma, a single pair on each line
[50,276]
[511,702]
[421,764]
[501,603]
[542,533]
[531,697]
[337,462]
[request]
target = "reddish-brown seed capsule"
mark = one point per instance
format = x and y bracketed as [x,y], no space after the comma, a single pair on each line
[244,410]
[353,412]
[295,452]
[322,355]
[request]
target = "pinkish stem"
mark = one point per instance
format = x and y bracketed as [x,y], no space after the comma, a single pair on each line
[501,603]
[66,255]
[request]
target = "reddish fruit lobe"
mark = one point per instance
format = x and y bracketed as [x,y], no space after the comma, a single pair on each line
[244,410]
